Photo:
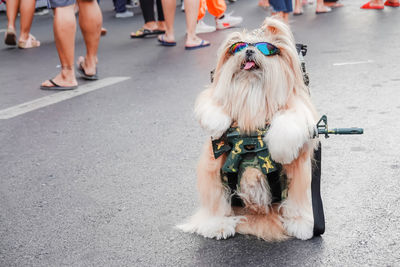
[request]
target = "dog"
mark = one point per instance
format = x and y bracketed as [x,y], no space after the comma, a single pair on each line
[258,82]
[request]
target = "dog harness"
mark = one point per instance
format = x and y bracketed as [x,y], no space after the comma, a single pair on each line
[249,151]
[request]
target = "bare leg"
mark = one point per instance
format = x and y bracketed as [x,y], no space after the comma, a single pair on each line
[12,11]
[90,21]
[161,25]
[169,7]
[191,12]
[64,35]
[297,7]
[27,9]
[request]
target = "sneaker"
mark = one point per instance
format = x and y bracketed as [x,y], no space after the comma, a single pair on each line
[202,27]
[41,11]
[125,14]
[132,4]
[227,21]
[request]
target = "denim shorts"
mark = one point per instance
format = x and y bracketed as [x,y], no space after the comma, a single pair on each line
[59,3]
[281,5]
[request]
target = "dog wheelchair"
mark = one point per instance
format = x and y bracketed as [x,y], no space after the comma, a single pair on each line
[251,151]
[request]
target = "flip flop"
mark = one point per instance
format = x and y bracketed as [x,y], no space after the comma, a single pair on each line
[201,45]
[165,43]
[142,32]
[57,87]
[369,6]
[83,74]
[297,14]
[10,38]
[387,3]
[327,10]
[30,43]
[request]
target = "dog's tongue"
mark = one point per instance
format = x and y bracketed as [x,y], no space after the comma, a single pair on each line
[249,65]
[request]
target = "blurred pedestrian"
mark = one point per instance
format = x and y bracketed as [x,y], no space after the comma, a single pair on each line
[281,8]
[191,12]
[216,8]
[90,21]
[121,10]
[26,9]
[378,4]
[151,27]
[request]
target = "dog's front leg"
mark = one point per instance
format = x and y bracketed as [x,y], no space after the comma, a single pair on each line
[215,217]
[211,116]
[297,215]
[289,132]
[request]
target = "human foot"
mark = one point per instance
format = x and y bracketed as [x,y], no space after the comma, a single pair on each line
[63,81]
[166,40]
[87,68]
[323,9]
[10,37]
[195,43]
[31,42]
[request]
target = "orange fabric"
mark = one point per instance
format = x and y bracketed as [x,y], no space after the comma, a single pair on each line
[214,7]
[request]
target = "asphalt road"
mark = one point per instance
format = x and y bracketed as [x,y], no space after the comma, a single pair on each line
[101,179]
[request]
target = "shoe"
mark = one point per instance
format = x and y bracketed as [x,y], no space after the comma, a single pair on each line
[10,38]
[57,87]
[161,40]
[388,3]
[369,6]
[183,7]
[227,21]
[82,72]
[142,32]
[202,27]
[31,42]
[41,11]
[326,10]
[125,14]
[202,44]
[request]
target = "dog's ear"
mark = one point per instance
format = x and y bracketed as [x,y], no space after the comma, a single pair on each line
[274,26]
[223,52]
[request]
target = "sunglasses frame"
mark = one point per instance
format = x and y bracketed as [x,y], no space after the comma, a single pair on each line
[278,51]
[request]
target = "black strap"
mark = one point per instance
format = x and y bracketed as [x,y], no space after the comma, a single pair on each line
[318,209]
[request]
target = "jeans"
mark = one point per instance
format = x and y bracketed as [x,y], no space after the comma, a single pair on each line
[120,6]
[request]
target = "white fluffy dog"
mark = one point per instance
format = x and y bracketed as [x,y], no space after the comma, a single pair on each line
[257,81]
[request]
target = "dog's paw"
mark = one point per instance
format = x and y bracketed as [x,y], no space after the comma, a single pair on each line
[300,227]
[216,124]
[212,227]
[285,139]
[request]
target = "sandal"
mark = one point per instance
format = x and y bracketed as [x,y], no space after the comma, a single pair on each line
[83,74]
[57,87]
[30,43]
[142,32]
[10,38]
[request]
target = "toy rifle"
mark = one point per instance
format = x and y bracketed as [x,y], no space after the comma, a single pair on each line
[322,128]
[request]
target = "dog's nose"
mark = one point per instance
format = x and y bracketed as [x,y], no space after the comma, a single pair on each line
[249,52]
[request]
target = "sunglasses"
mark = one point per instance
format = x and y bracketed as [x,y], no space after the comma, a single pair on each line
[266,48]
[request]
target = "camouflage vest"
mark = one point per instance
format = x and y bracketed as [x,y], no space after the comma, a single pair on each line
[249,151]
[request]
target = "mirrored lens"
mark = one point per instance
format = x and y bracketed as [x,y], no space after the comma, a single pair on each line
[267,49]
[237,47]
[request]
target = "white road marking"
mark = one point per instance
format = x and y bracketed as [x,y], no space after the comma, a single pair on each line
[353,63]
[23,108]
[3,30]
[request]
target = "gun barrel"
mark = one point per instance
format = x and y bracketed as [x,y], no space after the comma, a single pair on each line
[342,131]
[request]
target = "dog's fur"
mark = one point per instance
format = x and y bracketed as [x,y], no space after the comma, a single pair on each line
[272,93]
